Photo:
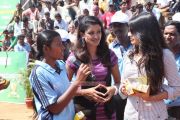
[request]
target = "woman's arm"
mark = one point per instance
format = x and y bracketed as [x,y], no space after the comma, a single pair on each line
[116,77]
[89,93]
[64,100]
[158,97]
[112,90]
[116,74]
[172,90]
[171,74]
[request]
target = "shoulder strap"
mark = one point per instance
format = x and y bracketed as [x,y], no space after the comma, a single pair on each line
[108,77]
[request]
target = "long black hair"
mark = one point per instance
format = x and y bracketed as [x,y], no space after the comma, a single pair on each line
[44,38]
[146,28]
[80,49]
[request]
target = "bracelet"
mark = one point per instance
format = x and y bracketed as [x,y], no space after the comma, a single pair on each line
[116,91]
[121,94]
[75,83]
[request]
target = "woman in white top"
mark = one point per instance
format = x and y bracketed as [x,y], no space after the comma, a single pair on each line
[149,58]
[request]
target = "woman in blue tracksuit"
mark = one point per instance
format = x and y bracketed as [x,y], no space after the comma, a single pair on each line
[52,89]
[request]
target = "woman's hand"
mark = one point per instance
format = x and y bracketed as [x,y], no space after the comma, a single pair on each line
[82,73]
[144,96]
[123,88]
[110,92]
[159,96]
[94,95]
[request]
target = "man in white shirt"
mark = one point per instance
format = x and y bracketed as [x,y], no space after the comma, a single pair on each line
[124,9]
[22,46]
[17,26]
[84,4]
[59,22]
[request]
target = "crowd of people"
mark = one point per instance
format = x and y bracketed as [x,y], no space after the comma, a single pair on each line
[54,15]
[86,50]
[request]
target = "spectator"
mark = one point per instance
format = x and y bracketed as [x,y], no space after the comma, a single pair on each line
[30,13]
[46,24]
[29,39]
[73,9]
[150,7]
[58,9]
[26,25]
[65,41]
[17,12]
[139,9]
[85,4]
[34,2]
[48,7]
[22,46]
[72,32]
[40,12]
[34,47]
[106,17]
[120,46]
[13,40]
[23,31]
[95,12]
[59,22]
[6,41]
[17,26]
[85,12]
[111,36]
[103,5]
[164,6]
[172,38]
[124,9]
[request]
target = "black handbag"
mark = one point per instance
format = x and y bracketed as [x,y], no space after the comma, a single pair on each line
[89,107]
[86,106]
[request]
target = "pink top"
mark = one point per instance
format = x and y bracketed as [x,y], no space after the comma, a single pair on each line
[100,72]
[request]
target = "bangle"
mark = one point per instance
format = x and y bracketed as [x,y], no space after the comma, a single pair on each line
[116,90]
[121,94]
[75,83]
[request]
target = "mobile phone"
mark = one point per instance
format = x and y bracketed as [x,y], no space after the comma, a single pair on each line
[101,89]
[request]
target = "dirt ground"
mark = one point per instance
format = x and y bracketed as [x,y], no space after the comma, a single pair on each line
[10,111]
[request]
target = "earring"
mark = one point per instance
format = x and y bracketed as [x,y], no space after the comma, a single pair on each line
[83,42]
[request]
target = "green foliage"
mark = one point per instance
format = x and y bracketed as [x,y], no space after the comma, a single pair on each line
[25,80]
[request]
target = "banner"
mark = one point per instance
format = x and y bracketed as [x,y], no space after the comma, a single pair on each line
[7,8]
[11,65]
